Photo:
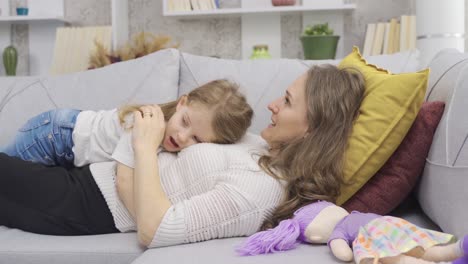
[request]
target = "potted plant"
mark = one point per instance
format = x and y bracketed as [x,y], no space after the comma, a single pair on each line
[318,42]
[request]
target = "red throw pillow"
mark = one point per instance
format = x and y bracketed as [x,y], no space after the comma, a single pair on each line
[395,180]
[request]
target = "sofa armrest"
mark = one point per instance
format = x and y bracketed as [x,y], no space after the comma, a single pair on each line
[442,189]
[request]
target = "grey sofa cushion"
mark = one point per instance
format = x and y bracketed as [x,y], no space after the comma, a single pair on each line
[150,79]
[442,190]
[17,246]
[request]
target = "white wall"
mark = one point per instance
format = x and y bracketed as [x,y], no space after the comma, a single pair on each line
[219,37]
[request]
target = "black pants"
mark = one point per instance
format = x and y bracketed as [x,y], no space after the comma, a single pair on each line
[51,200]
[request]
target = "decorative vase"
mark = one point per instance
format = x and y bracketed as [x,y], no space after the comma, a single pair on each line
[319,47]
[10,60]
[283,2]
[260,52]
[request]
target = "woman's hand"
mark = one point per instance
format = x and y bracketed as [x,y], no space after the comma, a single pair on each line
[149,127]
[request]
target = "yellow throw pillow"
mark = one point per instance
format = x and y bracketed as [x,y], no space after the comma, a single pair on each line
[390,105]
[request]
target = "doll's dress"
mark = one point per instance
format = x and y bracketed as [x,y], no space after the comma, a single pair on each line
[389,236]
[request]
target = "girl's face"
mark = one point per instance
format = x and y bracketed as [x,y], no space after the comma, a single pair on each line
[190,124]
[288,115]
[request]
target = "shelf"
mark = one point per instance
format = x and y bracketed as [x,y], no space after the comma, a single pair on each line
[28,19]
[266,10]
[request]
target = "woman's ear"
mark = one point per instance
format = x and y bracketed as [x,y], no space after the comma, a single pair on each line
[183,100]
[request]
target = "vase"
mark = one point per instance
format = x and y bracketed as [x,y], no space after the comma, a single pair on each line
[10,60]
[283,2]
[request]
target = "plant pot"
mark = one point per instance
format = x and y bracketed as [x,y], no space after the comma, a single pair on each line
[319,47]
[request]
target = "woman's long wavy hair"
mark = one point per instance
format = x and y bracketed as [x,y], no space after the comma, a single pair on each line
[312,166]
[232,114]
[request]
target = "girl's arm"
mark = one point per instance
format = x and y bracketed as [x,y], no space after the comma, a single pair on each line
[150,201]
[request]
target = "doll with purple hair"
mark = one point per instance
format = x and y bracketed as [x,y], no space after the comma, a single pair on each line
[364,237]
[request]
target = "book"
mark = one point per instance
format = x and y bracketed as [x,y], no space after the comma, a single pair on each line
[404,28]
[412,32]
[396,41]
[377,44]
[215,4]
[194,4]
[391,48]
[369,39]
[170,6]
[386,39]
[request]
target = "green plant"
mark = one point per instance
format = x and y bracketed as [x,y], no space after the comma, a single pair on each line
[318,30]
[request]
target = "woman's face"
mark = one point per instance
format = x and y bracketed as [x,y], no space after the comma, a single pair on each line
[288,115]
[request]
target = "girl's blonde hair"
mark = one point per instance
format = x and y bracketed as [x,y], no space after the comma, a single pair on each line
[232,115]
[313,166]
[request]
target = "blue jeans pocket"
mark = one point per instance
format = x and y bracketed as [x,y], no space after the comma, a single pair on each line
[46,138]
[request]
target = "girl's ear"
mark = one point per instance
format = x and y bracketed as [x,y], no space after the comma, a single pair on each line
[183,100]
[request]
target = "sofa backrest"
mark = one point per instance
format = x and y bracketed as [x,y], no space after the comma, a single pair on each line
[150,79]
[265,80]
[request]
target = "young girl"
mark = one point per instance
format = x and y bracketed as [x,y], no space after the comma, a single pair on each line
[214,112]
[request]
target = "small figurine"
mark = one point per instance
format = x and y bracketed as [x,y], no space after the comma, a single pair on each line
[366,237]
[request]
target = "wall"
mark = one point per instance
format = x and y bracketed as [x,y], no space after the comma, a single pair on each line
[213,37]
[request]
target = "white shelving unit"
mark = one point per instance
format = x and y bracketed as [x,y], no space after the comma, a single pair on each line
[260,10]
[261,21]
[28,19]
[43,19]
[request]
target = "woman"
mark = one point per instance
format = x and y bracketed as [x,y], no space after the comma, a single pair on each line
[212,191]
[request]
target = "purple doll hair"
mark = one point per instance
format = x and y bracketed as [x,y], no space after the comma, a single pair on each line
[286,235]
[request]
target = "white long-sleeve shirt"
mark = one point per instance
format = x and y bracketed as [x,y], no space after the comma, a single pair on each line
[96,135]
[216,191]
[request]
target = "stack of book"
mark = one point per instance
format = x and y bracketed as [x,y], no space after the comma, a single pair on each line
[390,37]
[189,5]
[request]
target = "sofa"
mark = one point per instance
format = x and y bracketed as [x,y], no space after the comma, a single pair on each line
[437,203]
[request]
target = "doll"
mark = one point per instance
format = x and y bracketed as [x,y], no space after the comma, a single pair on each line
[366,237]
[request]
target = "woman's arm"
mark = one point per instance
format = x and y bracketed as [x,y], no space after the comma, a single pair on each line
[124,182]
[150,201]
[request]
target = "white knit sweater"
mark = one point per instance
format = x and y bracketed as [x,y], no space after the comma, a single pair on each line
[216,191]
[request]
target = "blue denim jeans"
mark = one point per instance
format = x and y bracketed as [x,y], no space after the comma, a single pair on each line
[46,139]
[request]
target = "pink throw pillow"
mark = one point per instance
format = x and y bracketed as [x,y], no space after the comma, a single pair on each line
[395,180]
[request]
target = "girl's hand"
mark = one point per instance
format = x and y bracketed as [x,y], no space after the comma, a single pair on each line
[148,129]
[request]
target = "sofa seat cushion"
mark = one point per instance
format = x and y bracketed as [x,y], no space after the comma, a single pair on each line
[22,247]
[223,250]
